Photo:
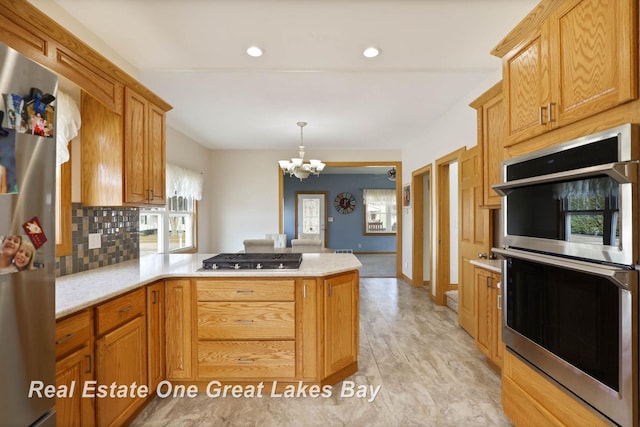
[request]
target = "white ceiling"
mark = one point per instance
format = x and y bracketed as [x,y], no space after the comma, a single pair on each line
[192,54]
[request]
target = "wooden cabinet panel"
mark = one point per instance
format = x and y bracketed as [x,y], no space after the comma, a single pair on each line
[529,398]
[157,159]
[119,311]
[144,151]
[135,136]
[75,366]
[33,45]
[526,89]
[489,315]
[581,61]
[73,332]
[155,334]
[73,371]
[246,359]
[308,328]
[245,290]
[179,317]
[594,57]
[101,154]
[121,358]
[247,320]
[88,77]
[340,322]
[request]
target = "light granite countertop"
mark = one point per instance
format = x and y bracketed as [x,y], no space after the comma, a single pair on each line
[494,265]
[81,290]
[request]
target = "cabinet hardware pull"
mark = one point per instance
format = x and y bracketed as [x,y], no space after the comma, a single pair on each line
[65,338]
[541,115]
[155,297]
[550,112]
[90,357]
[304,290]
[488,281]
[126,309]
[330,289]
[244,291]
[499,302]
[244,321]
[246,361]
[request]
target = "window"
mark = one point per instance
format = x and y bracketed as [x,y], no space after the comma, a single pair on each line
[380,213]
[174,227]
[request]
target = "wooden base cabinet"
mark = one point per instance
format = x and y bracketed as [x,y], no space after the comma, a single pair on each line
[74,367]
[121,355]
[341,308]
[155,334]
[489,315]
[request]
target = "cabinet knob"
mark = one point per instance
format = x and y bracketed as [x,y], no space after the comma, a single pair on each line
[483,255]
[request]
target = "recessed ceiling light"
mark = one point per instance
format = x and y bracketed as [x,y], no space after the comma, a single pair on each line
[371,52]
[254,51]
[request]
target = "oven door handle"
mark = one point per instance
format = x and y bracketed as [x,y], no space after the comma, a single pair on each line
[621,172]
[624,278]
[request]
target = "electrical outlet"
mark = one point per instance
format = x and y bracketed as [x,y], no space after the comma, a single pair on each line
[95,242]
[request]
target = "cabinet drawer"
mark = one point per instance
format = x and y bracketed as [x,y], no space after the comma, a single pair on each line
[119,311]
[245,290]
[246,359]
[246,320]
[72,333]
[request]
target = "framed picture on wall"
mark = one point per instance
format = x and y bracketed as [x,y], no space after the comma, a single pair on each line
[406,196]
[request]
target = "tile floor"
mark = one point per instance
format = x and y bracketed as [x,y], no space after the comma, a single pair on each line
[428,369]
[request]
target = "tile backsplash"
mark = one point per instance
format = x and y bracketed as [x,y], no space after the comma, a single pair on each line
[118,229]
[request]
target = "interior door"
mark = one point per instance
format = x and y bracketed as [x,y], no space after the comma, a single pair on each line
[474,234]
[311,214]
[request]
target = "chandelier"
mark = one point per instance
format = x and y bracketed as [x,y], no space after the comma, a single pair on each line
[296,167]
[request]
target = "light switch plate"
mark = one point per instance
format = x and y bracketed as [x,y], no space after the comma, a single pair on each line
[95,242]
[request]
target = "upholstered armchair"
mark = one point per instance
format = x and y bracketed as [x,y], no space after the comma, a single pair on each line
[306,245]
[258,245]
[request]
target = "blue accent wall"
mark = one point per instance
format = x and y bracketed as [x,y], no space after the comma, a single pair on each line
[347,230]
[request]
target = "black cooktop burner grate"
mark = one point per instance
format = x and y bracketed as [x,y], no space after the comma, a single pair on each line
[255,261]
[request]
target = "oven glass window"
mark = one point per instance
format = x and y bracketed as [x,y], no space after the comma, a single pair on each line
[572,314]
[582,211]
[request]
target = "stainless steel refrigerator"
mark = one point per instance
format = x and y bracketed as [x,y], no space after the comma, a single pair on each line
[27,235]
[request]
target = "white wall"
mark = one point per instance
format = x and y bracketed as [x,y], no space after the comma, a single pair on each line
[456,128]
[244,191]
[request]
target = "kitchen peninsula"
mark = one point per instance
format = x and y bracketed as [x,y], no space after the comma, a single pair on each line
[166,319]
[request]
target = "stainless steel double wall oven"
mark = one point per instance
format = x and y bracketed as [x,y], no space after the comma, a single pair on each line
[570,269]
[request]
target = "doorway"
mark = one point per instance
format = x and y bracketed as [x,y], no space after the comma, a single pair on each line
[422,227]
[311,214]
[445,261]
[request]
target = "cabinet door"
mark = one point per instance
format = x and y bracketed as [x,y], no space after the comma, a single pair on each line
[179,347]
[593,57]
[340,322]
[492,148]
[73,371]
[121,358]
[483,310]
[155,334]
[135,136]
[156,156]
[497,346]
[526,89]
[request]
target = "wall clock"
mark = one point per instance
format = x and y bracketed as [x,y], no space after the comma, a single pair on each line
[345,203]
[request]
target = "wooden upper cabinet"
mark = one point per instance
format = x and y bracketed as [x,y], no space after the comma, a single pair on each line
[491,137]
[593,44]
[123,156]
[144,151]
[581,61]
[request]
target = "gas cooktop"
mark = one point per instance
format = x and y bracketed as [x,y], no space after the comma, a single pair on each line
[253,261]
